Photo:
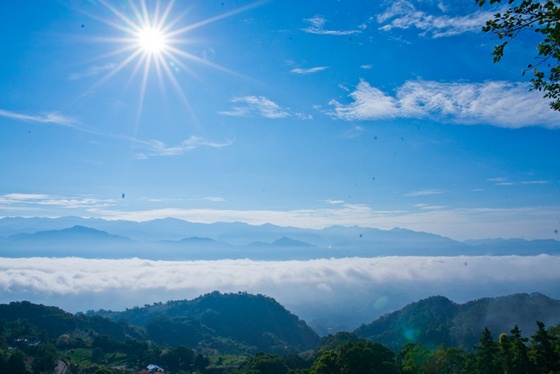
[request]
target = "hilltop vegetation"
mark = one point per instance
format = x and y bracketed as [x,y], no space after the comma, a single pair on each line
[437,320]
[235,322]
[250,334]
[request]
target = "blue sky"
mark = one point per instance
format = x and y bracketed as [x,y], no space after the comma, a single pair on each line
[381,114]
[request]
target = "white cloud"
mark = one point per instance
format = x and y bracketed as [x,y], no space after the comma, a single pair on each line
[354,132]
[53,118]
[37,201]
[369,103]
[404,15]
[536,182]
[215,199]
[424,193]
[256,106]
[335,202]
[505,182]
[352,286]
[91,71]
[159,148]
[430,207]
[317,26]
[308,71]
[502,104]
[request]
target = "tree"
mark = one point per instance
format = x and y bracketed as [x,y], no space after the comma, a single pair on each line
[514,353]
[326,364]
[45,358]
[16,363]
[180,358]
[543,18]
[446,361]
[486,358]
[412,357]
[359,357]
[264,363]
[543,353]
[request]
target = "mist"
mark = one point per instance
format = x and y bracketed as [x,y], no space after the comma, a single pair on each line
[347,291]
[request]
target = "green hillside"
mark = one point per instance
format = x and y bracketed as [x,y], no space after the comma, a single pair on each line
[232,322]
[437,320]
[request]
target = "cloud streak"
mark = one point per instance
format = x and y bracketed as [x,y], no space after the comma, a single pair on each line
[149,148]
[317,26]
[404,15]
[308,71]
[91,71]
[256,106]
[159,148]
[52,118]
[80,284]
[496,103]
[424,193]
[19,201]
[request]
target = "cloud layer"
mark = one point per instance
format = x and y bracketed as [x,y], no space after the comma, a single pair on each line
[496,103]
[361,289]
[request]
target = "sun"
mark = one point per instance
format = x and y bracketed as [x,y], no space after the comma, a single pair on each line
[152,40]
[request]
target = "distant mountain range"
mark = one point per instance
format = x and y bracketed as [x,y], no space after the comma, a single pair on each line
[173,239]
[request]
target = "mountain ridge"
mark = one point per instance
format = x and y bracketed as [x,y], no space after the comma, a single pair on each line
[174,239]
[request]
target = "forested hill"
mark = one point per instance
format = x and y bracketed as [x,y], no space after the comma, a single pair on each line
[437,320]
[233,322]
[49,322]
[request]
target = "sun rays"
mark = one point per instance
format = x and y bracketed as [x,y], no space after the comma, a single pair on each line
[152,38]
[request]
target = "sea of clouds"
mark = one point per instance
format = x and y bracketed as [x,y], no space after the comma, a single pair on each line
[350,291]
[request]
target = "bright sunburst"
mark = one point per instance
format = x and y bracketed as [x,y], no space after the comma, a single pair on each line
[152,39]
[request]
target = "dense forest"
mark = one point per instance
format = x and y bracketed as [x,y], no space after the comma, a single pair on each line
[243,333]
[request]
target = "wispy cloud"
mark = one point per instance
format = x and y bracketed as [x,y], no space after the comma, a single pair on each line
[53,118]
[335,202]
[430,207]
[308,71]
[158,148]
[214,199]
[256,106]
[403,14]
[149,148]
[424,193]
[91,71]
[536,182]
[19,201]
[317,26]
[353,132]
[501,181]
[502,104]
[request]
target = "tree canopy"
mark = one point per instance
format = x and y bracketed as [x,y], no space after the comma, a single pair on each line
[542,18]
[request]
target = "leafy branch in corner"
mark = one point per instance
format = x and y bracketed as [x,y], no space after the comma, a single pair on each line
[543,18]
